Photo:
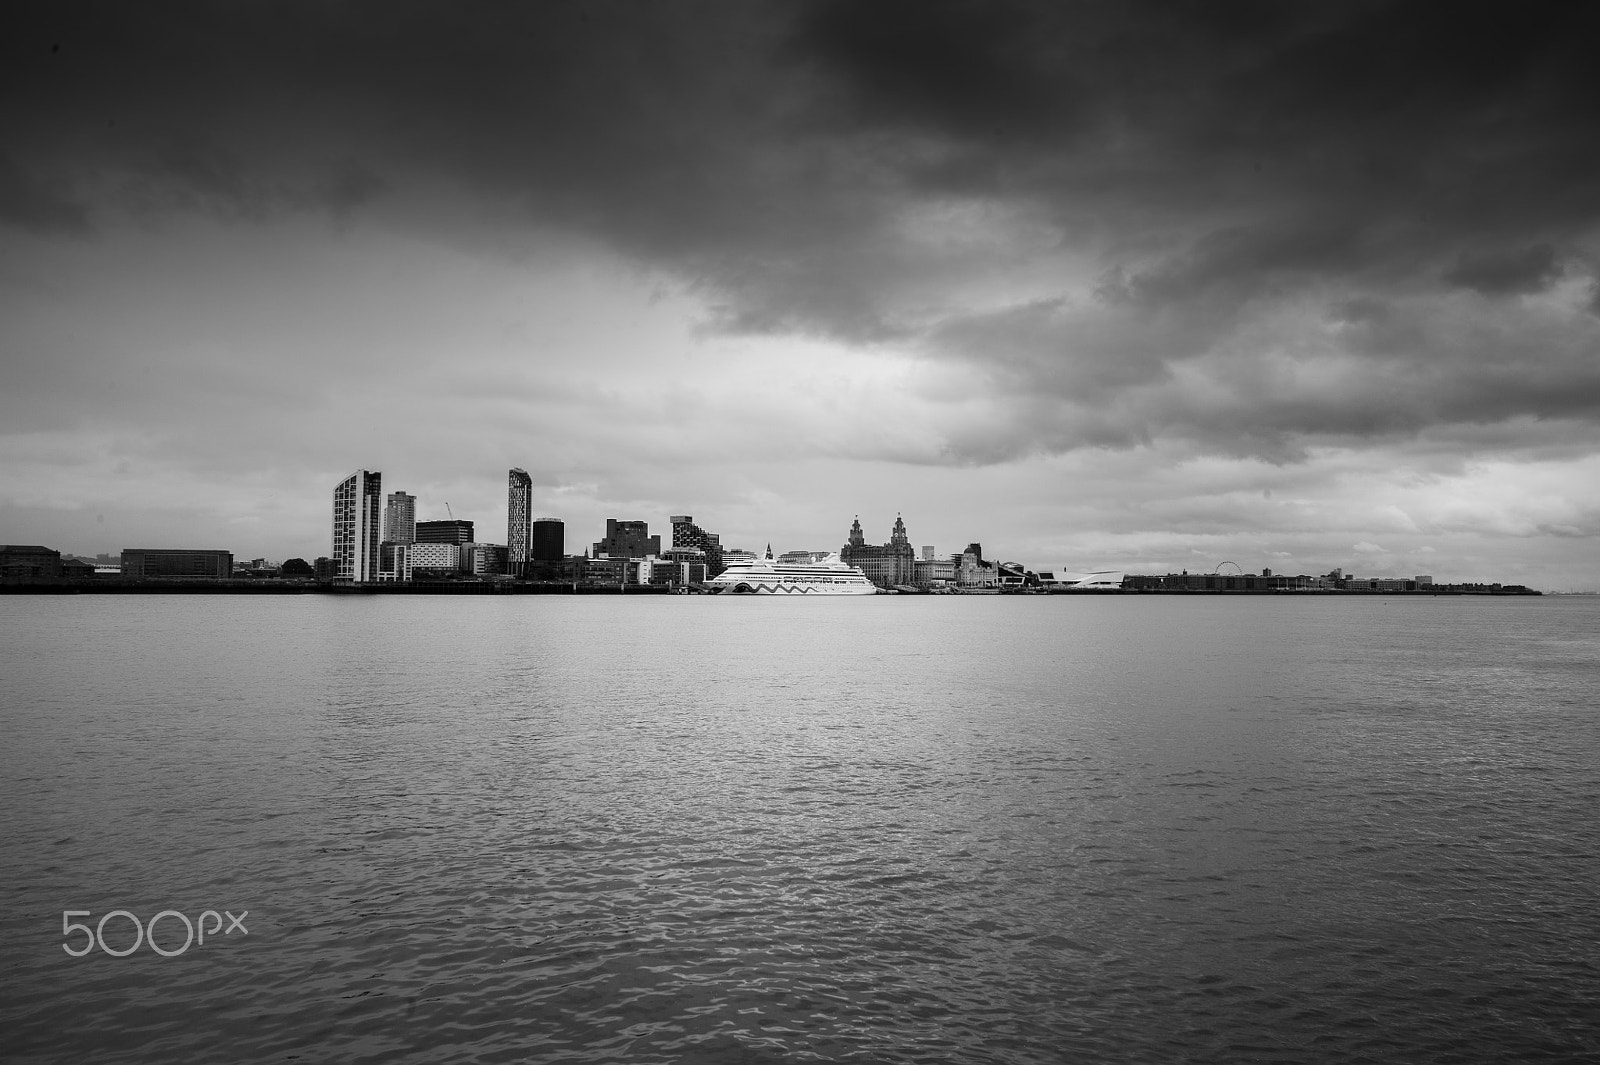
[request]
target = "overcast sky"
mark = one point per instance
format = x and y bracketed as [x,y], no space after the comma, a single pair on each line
[1101,286]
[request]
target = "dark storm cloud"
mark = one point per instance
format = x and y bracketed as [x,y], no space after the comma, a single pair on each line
[1517,273]
[1213,168]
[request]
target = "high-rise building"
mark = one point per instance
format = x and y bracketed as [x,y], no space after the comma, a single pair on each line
[547,541]
[888,565]
[400,518]
[685,533]
[628,539]
[357,512]
[455,531]
[519,520]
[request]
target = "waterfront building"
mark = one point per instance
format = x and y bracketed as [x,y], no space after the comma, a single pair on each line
[1226,582]
[567,570]
[25,563]
[357,512]
[973,573]
[676,567]
[394,562]
[685,533]
[1378,584]
[1014,576]
[519,520]
[77,567]
[434,559]
[611,572]
[1064,580]
[627,539]
[885,565]
[933,572]
[400,518]
[485,560]
[547,541]
[324,568]
[175,562]
[454,531]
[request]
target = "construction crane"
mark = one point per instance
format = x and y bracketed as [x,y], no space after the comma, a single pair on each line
[448,511]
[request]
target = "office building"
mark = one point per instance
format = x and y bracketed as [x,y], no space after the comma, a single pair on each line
[357,514]
[548,540]
[400,518]
[685,533]
[445,532]
[627,539]
[677,566]
[885,565]
[611,572]
[519,520]
[485,560]
[933,572]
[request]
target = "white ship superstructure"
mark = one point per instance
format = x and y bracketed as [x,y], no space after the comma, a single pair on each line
[763,576]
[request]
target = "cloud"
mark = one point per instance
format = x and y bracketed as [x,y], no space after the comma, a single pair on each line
[33,203]
[1516,273]
[1003,233]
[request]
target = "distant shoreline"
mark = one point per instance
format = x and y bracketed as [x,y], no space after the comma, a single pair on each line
[100,586]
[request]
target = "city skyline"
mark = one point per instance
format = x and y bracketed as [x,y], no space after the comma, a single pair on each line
[1142,290]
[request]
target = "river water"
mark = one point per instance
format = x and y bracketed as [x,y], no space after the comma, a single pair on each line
[899,829]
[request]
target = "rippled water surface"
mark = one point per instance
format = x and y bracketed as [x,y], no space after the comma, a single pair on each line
[960,829]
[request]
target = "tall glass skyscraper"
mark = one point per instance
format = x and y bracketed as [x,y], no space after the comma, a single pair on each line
[519,520]
[357,512]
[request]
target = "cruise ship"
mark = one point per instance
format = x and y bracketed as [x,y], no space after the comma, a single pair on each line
[763,576]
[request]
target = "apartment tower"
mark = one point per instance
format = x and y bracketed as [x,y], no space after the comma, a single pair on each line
[357,514]
[400,519]
[519,521]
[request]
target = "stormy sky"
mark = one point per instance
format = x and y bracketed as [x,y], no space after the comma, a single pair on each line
[1101,286]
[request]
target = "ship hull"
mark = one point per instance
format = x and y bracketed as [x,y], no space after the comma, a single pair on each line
[765,577]
[756,586]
